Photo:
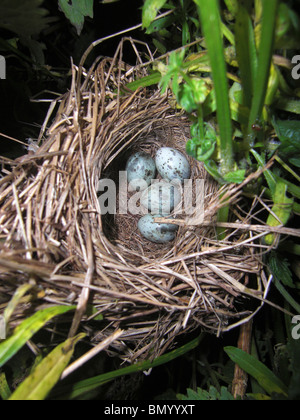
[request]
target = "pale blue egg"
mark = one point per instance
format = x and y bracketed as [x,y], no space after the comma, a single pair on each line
[158,233]
[172,164]
[161,197]
[140,169]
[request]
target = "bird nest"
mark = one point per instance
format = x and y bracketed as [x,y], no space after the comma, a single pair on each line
[54,237]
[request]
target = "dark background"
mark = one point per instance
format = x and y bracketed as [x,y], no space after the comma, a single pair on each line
[19,117]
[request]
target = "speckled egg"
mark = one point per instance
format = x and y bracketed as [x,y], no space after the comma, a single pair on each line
[158,233]
[161,197]
[140,169]
[172,164]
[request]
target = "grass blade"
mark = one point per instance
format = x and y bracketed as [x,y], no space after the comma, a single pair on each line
[5,392]
[265,52]
[16,299]
[87,385]
[246,50]
[209,12]
[264,376]
[267,173]
[27,329]
[37,386]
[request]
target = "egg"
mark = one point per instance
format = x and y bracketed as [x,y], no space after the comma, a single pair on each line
[161,197]
[172,164]
[140,169]
[158,233]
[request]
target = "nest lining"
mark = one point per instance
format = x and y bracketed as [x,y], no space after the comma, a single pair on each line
[55,238]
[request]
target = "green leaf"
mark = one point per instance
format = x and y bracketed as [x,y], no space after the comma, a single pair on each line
[212,395]
[287,28]
[246,50]
[212,168]
[295,161]
[152,79]
[27,329]
[76,11]
[185,98]
[282,208]
[265,52]
[200,150]
[288,104]
[280,268]
[18,295]
[5,392]
[288,132]
[25,18]
[264,376]
[91,310]
[160,24]
[232,6]
[37,386]
[279,286]
[270,178]
[236,177]
[150,10]
[292,188]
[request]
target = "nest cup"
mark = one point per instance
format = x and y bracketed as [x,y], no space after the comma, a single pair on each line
[55,239]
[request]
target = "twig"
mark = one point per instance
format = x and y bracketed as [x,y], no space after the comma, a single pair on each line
[92,353]
[240,380]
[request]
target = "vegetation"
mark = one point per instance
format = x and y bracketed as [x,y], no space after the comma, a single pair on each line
[229,66]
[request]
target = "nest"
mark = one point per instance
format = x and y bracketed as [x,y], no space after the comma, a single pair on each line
[54,237]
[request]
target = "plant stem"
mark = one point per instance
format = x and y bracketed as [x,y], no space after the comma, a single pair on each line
[265,51]
[200,121]
[209,12]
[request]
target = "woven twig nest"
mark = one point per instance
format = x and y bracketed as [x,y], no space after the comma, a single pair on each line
[54,237]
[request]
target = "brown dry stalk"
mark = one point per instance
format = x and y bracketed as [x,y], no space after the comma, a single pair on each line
[240,380]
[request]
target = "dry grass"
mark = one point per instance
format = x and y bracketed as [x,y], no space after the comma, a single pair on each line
[54,237]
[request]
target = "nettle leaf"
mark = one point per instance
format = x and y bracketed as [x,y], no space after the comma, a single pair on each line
[201,151]
[186,99]
[76,11]
[25,18]
[288,132]
[201,148]
[295,161]
[280,269]
[236,177]
[202,395]
[150,10]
